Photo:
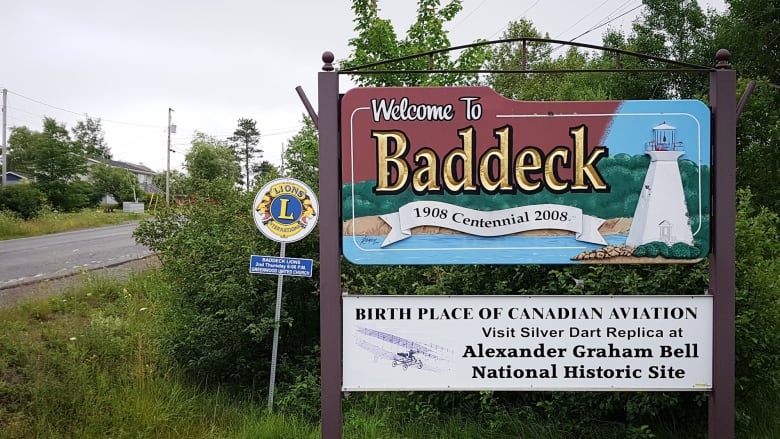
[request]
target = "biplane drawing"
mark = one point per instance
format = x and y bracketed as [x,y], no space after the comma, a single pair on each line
[415,354]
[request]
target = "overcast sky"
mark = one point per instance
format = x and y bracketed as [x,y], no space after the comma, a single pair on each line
[215,61]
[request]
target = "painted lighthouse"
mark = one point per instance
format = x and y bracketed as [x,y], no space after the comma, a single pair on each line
[661,214]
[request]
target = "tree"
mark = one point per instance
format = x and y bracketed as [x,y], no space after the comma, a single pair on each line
[244,141]
[120,183]
[53,156]
[377,41]
[177,179]
[24,200]
[302,154]
[210,163]
[54,162]
[19,149]
[265,172]
[748,30]
[540,56]
[89,136]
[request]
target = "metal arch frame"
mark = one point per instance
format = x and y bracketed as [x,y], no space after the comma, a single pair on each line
[682,67]
[722,275]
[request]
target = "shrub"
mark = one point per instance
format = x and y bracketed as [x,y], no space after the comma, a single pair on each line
[758,303]
[22,199]
[71,196]
[223,317]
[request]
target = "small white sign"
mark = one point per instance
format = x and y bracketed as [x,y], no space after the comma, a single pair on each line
[527,343]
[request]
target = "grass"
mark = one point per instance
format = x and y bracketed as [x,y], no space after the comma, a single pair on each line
[87,364]
[53,222]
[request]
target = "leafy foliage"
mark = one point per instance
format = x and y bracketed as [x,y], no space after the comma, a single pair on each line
[210,165]
[90,138]
[302,153]
[24,200]
[222,320]
[120,183]
[377,41]
[54,162]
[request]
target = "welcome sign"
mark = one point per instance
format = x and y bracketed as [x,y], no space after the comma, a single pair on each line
[462,175]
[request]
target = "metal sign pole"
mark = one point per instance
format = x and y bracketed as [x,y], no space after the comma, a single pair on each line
[723,98]
[277,317]
[330,250]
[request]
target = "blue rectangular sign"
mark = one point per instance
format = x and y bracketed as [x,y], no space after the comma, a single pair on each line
[280,266]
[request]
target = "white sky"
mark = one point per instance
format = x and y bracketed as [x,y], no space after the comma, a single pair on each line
[215,61]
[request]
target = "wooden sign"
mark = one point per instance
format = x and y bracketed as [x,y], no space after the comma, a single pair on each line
[462,175]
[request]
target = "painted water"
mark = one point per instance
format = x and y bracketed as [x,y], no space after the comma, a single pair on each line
[467,249]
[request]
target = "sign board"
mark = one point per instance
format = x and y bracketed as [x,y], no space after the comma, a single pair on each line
[285,210]
[280,266]
[462,175]
[132,207]
[527,343]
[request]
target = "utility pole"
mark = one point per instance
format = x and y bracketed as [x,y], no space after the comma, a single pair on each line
[168,163]
[282,170]
[5,147]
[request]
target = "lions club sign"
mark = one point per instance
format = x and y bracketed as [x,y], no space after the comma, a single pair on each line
[285,210]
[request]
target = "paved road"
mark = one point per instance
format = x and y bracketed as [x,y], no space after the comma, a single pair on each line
[44,257]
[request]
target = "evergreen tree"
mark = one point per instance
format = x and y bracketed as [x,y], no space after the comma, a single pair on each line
[245,141]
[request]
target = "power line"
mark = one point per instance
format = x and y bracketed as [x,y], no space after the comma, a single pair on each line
[607,18]
[522,14]
[467,16]
[606,23]
[597,26]
[581,19]
[83,114]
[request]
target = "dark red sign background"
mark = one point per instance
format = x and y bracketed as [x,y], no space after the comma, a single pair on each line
[358,148]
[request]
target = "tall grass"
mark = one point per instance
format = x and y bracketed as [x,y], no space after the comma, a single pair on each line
[54,222]
[87,364]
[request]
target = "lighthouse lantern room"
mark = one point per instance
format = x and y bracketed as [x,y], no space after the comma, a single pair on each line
[664,139]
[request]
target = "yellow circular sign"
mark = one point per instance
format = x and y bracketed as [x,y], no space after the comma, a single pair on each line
[285,210]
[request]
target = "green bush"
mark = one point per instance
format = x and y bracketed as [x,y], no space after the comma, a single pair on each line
[221,322]
[70,197]
[758,304]
[222,319]
[22,199]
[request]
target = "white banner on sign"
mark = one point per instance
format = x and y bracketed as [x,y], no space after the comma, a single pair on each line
[527,343]
[491,223]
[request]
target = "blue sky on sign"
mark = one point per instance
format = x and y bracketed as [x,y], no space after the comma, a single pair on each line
[632,128]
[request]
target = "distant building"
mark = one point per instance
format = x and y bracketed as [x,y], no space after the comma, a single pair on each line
[142,173]
[12,177]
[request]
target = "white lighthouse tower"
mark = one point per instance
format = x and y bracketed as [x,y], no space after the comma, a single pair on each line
[661,214]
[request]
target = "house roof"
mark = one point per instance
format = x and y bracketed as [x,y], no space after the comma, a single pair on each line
[138,169]
[132,167]
[16,175]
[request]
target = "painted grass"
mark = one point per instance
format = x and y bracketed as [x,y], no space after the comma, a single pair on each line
[54,222]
